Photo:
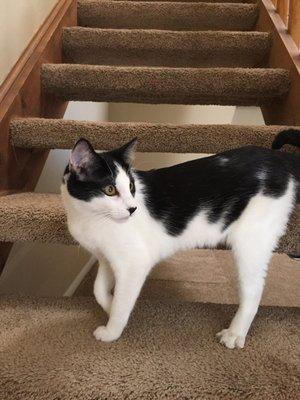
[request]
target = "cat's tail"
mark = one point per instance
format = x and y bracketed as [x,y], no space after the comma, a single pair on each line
[288,136]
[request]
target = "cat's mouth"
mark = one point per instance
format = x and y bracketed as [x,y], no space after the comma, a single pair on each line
[121,218]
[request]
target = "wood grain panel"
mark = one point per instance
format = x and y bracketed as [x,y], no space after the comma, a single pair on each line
[283,54]
[294,21]
[283,10]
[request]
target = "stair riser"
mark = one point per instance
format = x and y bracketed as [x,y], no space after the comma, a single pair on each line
[63,134]
[164,85]
[170,16]
[165,48]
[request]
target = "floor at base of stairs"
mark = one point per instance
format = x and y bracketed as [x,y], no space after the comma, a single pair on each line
[209,276]
[168,351]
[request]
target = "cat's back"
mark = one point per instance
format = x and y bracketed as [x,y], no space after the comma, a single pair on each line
[232,166]
[225,181]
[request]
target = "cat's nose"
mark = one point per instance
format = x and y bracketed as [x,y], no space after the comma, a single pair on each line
[132,210]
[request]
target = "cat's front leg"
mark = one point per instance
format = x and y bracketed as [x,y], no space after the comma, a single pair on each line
[129,282]
[103,285]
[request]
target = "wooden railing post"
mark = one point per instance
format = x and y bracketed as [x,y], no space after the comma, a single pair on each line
[282,7]
[284,54]
[294,21]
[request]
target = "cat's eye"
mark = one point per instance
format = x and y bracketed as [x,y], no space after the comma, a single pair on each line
[110,190]
[131,186]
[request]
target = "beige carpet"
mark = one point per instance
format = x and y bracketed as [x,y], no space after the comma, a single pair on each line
[189,16]
[165,85]
[169,351]
[152,137]
[143,47]
[209,276]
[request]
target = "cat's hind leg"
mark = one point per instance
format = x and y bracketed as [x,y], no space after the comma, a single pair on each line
[252,270]
[253,238]
[103,285]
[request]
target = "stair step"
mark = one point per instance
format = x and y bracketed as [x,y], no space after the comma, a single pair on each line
[33,217]
[167,15]
[165,48]
[168,350]
[40,217]
[223,86]
[186,138]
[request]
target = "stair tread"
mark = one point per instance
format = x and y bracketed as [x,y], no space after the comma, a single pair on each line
[224,86]
[138,47]
[40,217]
[153,137]
[167,15]
[168,351]
[33,217]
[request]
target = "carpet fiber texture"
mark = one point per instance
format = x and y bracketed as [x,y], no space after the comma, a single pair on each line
[168,351]
[223,86]
[186,138]
[41,217]
[165,48]
[167,15]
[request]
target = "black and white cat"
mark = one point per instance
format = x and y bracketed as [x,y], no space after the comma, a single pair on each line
[130,220]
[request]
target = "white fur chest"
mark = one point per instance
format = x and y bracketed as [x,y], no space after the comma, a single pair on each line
[140,235]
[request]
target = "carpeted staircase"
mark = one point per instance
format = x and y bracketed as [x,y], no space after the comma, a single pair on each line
[146,52]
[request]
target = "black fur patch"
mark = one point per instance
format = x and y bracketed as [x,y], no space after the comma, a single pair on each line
[176,194]
[288,136]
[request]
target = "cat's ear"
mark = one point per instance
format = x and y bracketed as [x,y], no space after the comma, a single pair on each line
[82,157]
[127,151]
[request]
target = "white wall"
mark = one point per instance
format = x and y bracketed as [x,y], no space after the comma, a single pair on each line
[168,113]
[179,114]
[248,116]
[19,21]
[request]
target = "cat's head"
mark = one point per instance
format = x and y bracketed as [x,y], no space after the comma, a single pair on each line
[102,182]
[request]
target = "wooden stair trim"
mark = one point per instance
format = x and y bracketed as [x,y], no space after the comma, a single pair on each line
[294,21]
[284,54]
[21,96]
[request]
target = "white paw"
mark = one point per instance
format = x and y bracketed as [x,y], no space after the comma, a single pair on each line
[230,339]
[106,335]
